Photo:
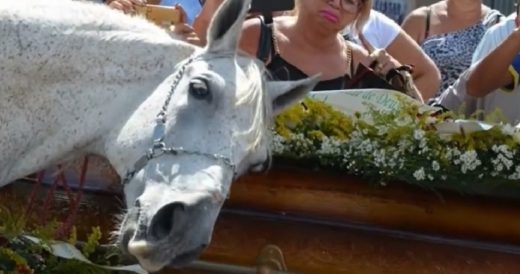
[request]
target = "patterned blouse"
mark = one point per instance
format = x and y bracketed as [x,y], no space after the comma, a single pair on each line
[452,51]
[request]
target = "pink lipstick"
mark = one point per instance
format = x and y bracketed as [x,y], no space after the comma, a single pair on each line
[330,16]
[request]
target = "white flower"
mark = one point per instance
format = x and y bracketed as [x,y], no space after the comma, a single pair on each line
[469,161]
[436,166]
[419,174]
[330,146]
[382,130]
[380,158]
[277,144]
[507,129]
[516,174]
[403,120]
[418,134]
[503,159]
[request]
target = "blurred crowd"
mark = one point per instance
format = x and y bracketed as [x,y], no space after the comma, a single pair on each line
[460,55]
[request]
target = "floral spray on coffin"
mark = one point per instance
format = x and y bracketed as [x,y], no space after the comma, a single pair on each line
[386,136]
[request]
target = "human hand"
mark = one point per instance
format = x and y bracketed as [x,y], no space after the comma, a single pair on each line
[381,62]
[184,30]
[126,6]
[186,33]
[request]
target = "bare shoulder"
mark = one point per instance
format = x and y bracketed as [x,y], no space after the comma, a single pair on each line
[415,23]
[357,50]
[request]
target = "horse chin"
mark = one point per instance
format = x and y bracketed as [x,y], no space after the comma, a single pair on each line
[156,263]
[153,256]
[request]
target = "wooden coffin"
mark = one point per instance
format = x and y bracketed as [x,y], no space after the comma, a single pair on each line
[332,223]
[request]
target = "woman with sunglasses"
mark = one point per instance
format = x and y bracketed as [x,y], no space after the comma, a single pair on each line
[310,43]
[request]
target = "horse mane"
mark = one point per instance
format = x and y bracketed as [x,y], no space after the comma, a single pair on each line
[262,105]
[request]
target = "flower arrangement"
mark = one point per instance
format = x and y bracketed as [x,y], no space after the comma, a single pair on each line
[406,144]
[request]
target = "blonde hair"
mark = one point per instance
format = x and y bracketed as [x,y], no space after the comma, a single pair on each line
[363,16]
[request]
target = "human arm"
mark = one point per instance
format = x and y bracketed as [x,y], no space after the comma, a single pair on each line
[250,36]
[415,24]
[383,32]
[456,97]
[126,6]
[493,70]
[184,30]
[203,19]
[426,75]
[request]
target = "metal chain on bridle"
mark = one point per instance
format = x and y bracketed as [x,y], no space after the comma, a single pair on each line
[159,148]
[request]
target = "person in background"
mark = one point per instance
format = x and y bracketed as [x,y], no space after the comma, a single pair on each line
[310,43]
[492,82]
[317,37]
[449,32]
[393,9]
[190,10]
[203,18]
[190,7]
[380,32]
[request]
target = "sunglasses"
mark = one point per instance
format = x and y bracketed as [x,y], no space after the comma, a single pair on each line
[350,5]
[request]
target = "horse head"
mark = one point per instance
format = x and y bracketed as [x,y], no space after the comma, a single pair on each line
[212,127]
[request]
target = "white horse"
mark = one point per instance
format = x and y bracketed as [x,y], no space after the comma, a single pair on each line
[78,78]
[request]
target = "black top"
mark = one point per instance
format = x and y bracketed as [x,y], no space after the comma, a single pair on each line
[281,70]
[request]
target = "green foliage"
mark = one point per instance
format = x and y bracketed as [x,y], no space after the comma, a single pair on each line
[10,224]
[314,120]
[92,242]
[18,255]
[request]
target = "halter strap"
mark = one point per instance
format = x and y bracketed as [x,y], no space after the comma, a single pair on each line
[158,147]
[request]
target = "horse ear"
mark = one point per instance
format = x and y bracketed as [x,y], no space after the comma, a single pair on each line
[285,93]
[226,26]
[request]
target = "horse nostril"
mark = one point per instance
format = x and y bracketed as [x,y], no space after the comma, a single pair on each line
[163,221]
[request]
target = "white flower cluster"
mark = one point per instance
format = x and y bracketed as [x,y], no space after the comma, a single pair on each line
[504,158]
[413,157]
[468,161]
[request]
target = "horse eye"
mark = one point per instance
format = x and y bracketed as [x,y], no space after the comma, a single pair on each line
[199,88]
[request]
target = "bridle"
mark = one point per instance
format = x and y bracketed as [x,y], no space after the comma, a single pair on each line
[158,147]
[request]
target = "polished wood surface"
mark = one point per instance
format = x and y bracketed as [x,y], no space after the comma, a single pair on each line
[344,198]
[348,199]
[316,246]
